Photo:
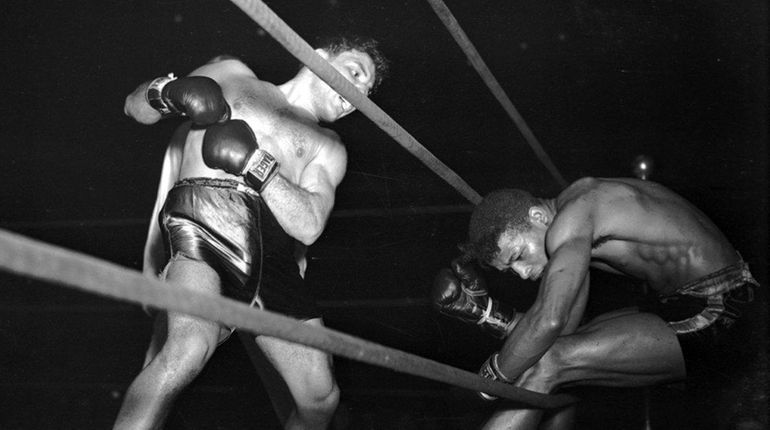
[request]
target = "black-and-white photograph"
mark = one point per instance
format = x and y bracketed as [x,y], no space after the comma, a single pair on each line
[384,215]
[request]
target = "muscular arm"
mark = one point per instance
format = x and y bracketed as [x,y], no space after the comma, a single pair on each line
[154,251]
[137,107]
[557,309]
[302,209]
[578,308]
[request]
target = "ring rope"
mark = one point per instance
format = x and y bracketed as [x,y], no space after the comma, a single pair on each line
[281,32]
[38,260]
[446,16]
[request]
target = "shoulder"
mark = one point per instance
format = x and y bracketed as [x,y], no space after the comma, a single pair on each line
[332,154]
[575,216]
[330,135]
[578,196]
[222,67]
[581,187]
[223,57]
[332,146]
[597,193]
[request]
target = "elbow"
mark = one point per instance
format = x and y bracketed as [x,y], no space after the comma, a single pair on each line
[552,325]
[314,225]
[311,232]
[308,239]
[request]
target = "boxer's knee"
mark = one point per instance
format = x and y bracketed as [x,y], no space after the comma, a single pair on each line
[319,392]
[187,349]
[544,376]
[189,354]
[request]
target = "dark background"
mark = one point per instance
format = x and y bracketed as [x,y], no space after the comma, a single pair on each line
[598,82]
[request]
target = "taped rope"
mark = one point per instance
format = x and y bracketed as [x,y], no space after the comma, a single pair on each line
[474,57]
[300,49]
[38,260]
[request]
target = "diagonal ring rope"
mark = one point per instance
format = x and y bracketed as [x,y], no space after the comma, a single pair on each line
[300,49]
[497,90]
[38,260]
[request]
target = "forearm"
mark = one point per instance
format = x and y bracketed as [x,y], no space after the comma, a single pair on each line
[578,309]
[301,213]
[137,107]
[517,317]
[556,311]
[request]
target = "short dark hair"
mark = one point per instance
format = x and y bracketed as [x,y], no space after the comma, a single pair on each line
[335,45]
[498,211]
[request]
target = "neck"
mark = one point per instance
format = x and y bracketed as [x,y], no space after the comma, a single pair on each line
[297,96]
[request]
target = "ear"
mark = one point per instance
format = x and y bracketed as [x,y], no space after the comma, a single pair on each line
[539,216]
[322,53]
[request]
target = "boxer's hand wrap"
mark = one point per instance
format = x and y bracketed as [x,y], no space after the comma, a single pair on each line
[260,169]
[232,147]
[155,98]
[491,370]
[198,97]
[461,293]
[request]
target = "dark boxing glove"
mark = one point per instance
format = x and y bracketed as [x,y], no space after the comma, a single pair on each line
[198,97]
[491,370]
[232,147]
[462,294]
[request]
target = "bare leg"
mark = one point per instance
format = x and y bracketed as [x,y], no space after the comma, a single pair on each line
[618,350]
[189,345]
[280,396]
[158,339]
[564,419]
[309,376]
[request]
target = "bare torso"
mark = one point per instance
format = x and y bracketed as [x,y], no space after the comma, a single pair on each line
[290,134]
[647,232]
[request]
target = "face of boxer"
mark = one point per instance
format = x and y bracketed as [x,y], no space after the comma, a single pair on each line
[358,68]
[522,252]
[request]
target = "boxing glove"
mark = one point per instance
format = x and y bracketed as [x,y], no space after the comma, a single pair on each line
[198,97]
[491,370]
[461,293]
[232,146]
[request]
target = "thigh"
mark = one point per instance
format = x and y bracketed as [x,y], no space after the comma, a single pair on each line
[303,368]
[610,315]
[198,276]
[622,349]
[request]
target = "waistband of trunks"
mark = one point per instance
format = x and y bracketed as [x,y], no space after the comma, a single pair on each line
[714,307]
[720,282]
[217,183]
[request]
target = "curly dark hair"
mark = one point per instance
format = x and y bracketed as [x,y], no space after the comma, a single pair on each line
[341,43]
[498,211]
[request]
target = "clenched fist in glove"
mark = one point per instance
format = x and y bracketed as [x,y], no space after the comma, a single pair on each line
[460,293]
[232,147]
[198,97]
[491,370]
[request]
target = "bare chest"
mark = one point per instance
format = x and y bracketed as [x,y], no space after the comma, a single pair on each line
[293,140]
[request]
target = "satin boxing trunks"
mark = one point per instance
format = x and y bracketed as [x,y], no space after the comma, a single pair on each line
[227,225]
[708,316]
